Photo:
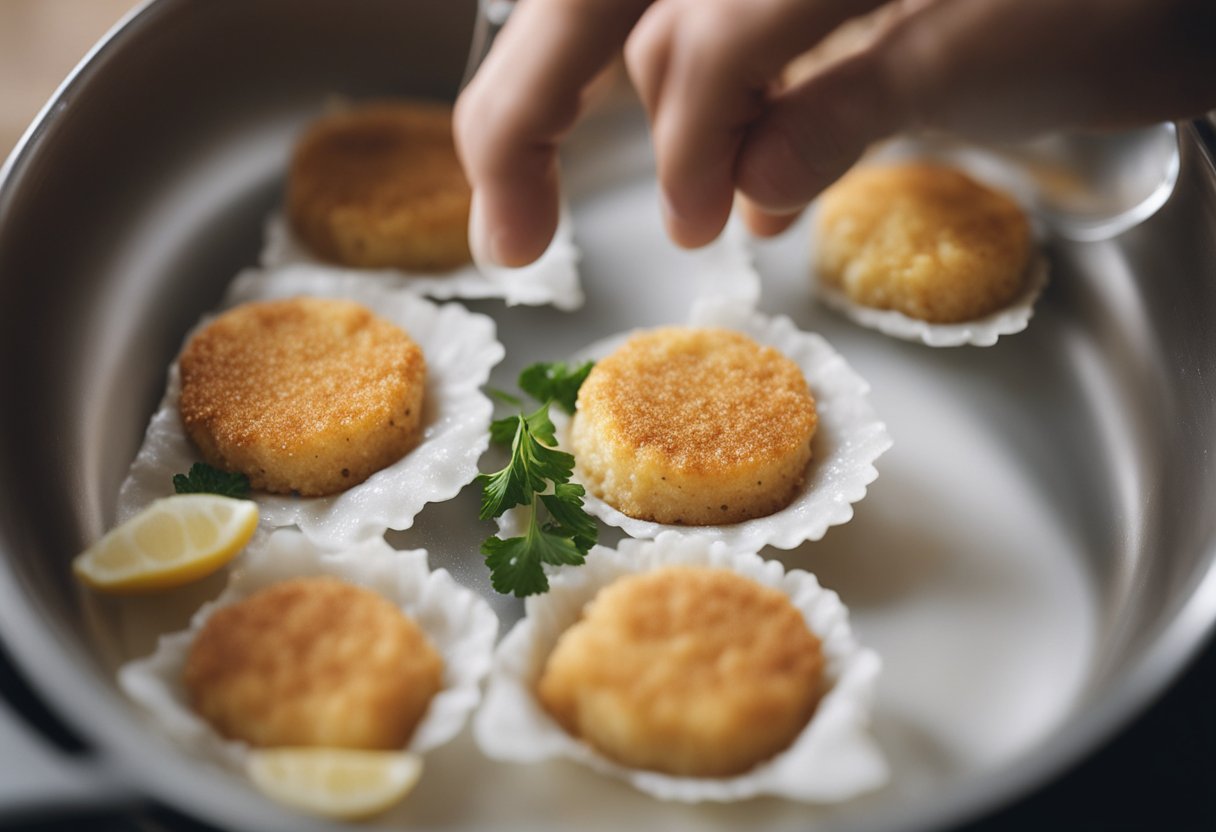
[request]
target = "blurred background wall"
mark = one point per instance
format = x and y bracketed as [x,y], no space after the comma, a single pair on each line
[40,42]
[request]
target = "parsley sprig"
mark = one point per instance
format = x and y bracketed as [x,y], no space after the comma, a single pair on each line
[205,479]
[537,477]
[555,382]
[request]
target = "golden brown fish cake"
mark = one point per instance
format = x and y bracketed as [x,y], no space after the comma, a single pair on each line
[922,239]
[380,186]
[313,662]
[306,395]
[694,426]
[686,670]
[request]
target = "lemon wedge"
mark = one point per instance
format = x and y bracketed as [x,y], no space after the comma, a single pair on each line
[334,782]
[173,541]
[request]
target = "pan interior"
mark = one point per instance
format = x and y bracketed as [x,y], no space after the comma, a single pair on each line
[1033,534]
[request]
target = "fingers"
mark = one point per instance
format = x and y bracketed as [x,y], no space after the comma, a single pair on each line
[952,64]
[1000,69]
[703,69]
[524,98]
[1010,69]
[764,223]
[810,135]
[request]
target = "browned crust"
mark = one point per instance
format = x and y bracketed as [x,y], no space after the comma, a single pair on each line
[695,426]
[380,185]
[305,395]
[687,670]
[922,239]
[313,662]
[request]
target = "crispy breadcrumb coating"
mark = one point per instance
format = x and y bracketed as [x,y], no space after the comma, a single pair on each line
[922,239]
[379,186]
[691,671]
[694,426]
[313,662]
[305,395]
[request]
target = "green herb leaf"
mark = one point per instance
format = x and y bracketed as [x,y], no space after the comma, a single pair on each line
[555,382]
[533,465]
[536,469]
[205,479]
[514,567]
[565,506]
[517,563]
[541,426]
[555,549]
[502,490]
[502,431]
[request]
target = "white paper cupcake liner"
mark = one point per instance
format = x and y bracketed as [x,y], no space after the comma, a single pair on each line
[833,759]
[981,332]
[552,279]
[459,623]
[848,440]
[460,349]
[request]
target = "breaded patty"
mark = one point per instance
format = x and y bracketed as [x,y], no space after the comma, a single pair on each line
[694,426]
[306,395]
[922,239]
[380,186]
[313,662]
[686,670]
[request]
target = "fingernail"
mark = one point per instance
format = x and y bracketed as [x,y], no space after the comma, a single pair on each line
[481,243]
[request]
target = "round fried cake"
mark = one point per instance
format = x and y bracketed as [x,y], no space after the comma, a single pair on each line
[694,426]
[922,239]
[313,662]
[306,395]
[380,186]
[691,671]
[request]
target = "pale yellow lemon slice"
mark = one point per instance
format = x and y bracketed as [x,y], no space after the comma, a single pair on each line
[173,541]
[334,782]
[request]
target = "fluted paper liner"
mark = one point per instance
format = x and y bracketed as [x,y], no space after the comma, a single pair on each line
[981,332]
[552,279]
[459,623]
[848,440]
[1010,319]
[834,758]
[460,348]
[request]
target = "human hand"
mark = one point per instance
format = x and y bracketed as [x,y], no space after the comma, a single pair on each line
[726,117]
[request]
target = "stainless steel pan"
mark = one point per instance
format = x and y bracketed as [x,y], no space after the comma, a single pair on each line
[142,189]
